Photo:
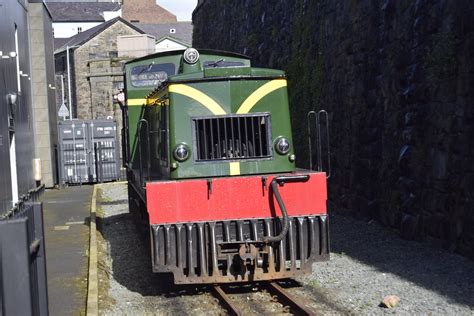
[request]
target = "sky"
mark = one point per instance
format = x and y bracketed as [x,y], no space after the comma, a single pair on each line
[183,9]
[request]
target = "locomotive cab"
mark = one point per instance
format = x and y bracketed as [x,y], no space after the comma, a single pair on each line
[210,156]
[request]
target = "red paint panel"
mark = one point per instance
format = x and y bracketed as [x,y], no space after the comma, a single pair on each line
[232,198]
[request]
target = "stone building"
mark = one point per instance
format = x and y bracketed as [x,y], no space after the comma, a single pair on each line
[95,68]
[43,89]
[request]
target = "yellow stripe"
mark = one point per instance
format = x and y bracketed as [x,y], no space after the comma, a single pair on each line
[258,94]
[136,102]
[198,96]
[234,168]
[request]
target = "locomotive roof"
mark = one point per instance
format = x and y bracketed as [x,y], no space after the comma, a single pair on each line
[180,52]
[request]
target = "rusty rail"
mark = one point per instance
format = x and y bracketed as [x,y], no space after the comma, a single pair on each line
[225,301]
[289,302]
[285,298]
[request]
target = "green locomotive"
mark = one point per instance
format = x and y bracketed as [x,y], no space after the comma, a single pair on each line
[208,149]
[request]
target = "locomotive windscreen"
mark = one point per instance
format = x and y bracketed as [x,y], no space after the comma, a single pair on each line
[151,75]
[232,137]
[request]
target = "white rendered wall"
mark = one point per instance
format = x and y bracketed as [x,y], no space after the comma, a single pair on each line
[68,29]
[167,45]
[135,45]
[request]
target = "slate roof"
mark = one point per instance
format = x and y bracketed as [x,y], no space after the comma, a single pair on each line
[80,11]
[183,30]
[59,42]
[81,38]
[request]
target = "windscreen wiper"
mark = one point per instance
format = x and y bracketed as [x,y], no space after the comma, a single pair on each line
[216,63]
[147,68]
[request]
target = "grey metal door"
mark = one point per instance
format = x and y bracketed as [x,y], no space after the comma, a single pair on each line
[88,151]
[105,158]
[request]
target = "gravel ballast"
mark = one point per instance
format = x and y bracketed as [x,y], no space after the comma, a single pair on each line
[368,262]
[127,285]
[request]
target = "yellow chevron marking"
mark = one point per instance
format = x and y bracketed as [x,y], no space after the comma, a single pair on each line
[198,96]
[258,94]
[234,168]
[133,102]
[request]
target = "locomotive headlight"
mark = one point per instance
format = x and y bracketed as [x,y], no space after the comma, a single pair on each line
[191,56]
[181,152]
[282,145]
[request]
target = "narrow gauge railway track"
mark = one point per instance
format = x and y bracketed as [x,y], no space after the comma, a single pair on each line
[289,302]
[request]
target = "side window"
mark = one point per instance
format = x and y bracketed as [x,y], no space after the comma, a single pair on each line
[151,75]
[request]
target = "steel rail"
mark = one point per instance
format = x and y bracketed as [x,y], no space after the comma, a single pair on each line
[296,307]
[289,302]
[225,300]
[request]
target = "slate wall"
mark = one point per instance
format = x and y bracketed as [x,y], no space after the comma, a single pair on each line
[396,77]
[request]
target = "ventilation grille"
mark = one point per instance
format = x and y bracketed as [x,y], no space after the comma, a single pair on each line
[232,137]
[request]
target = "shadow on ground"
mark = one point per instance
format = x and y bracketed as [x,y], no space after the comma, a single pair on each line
[130,251]
[428,266]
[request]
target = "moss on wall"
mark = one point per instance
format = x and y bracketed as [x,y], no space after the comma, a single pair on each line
[395,77]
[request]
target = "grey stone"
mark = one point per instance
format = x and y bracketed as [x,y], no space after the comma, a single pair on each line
[439,161]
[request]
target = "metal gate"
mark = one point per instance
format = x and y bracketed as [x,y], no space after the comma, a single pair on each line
[88,151]
[23,281]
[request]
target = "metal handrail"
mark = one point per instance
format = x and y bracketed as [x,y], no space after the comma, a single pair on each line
[310,143]
[317,120]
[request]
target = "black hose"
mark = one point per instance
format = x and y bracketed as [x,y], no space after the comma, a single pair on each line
[285,225]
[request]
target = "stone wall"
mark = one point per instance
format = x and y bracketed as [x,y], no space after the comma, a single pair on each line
[98,75]
[42,82]
[98,53]
[396,77]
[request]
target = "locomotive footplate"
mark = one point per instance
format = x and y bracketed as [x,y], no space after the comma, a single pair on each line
[230,251]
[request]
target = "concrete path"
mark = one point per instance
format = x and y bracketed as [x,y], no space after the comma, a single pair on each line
[66,220]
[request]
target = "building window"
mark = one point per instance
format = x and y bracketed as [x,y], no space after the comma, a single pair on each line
[172,31]
[113,54]
[79,29]
[135,21]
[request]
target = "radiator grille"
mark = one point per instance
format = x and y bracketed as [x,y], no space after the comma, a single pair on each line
[232,137]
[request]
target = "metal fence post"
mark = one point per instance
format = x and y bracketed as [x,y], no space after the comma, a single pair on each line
[40,260]
[16,288]
[23,281]
[2,311]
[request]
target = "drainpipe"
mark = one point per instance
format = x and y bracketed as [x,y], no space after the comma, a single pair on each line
[69,80]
